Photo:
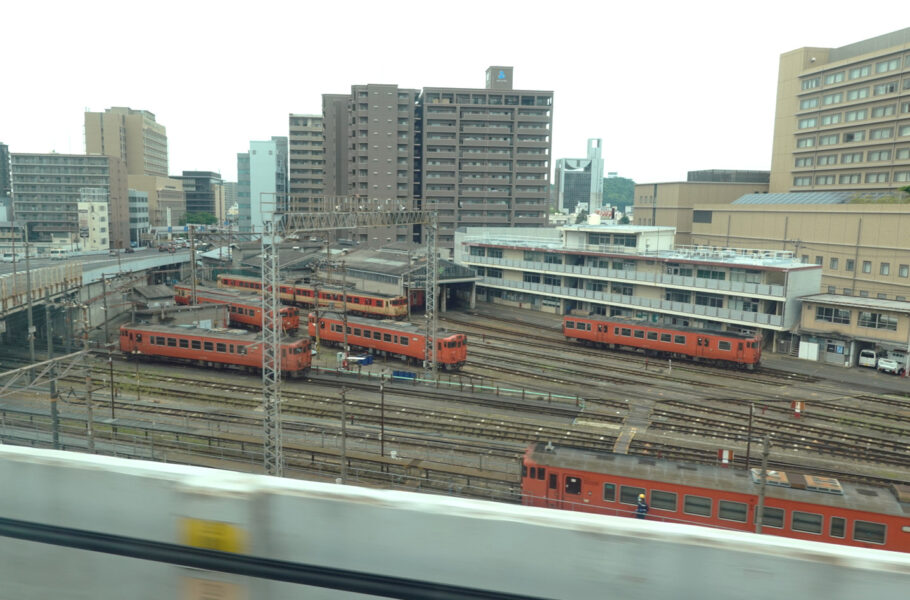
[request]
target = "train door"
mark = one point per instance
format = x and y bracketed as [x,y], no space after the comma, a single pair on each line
[553,496]
[701,345]
[740,352]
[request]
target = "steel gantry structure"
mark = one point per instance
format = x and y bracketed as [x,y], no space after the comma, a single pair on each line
[349,213]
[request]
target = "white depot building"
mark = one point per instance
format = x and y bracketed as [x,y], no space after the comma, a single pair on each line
[637,272]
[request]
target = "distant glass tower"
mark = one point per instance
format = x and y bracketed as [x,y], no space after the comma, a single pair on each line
[581,180]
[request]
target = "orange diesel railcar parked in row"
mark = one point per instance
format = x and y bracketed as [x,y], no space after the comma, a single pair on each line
[722,348]
[244,309]
[215,348]
[368,304]
[391,338]
[796,505]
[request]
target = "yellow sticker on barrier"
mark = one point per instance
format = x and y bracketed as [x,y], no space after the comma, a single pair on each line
[195,588]
[212,535]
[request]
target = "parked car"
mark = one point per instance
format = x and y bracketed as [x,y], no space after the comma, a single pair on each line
[868,358]
[129,250]
[890,365]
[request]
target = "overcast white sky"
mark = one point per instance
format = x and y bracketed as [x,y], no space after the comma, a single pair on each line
[669,86]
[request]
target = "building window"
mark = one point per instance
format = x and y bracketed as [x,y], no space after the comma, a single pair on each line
[806,142]
[876,177]
[827,159]
[834,77]
[902,176]
[903,271]
[904,131]
[858,94]
[807,123]
[851,157]
[824,180]
[803,161]
[854,136]
[832,264]
[802,181]
[883,111]
[819,260]
[678,296]
[808,84]
[877,155]
[862,71]
[807,103]
[882,133]
[902,153]
[887,65]
[832,315]
[856,115]
[831,119]
[884,269]
[828,140]
[849,178]
[867,266]
[830,99]
[884,88]
[872,320]
[705,299]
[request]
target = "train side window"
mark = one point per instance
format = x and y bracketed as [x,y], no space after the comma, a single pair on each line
[838,527]
[740,346]
[219,347]
[367,333]
[404,340]
[665,337]
[707,343]
[377,335]
[629,494]
[732,511]
[722,345]
[616,331]
[771,517]
[241,350]
[524,470]
[652,335]
[864,531]
[321,324]
[533,472]
[195,345]
[639,333]
[610,492]
[208,346]
[573,485]
[697,505]
[570,324]
[172,342]
[184,343]
[231,348]
[552,481]
[663,500]
[138,337]
[159,341]
[348,328]
[807,522]
[386,337]
[541,473]
[357,331]
[679,339]
[626,332]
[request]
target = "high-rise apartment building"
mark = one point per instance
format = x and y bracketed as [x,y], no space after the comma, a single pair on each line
[486,155]
[479,156]
[262,182]
[139,216]
[306,162]
[133,136]
[6,186]
[843,117]
[49,187]
[581,180]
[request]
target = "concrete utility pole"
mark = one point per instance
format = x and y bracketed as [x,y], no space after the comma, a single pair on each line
[344,439]
[52,375]
[193,264]
[89,424]
[104,307]
[31,324]
[344,309]
[760,515]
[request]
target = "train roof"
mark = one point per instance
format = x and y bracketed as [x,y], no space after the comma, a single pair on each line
[400,326]
[641,323]
[221,333]
[322,287]
[803,487]
[226,293]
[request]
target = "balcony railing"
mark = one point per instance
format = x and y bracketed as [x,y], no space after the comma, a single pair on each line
[653,304]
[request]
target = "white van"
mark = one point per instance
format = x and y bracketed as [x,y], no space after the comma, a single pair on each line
[868,358]
[11,257]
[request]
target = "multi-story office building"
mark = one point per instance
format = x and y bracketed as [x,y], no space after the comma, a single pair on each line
[580,181]
[670,204]
[230,200]
[93,225]
[843,117]
[139,216]
[48,188]
[166,198]
[262,186]
[476,155]
[133,136]
[486,155]
[6,186]
[637,272]
[306,158]
[204,193]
